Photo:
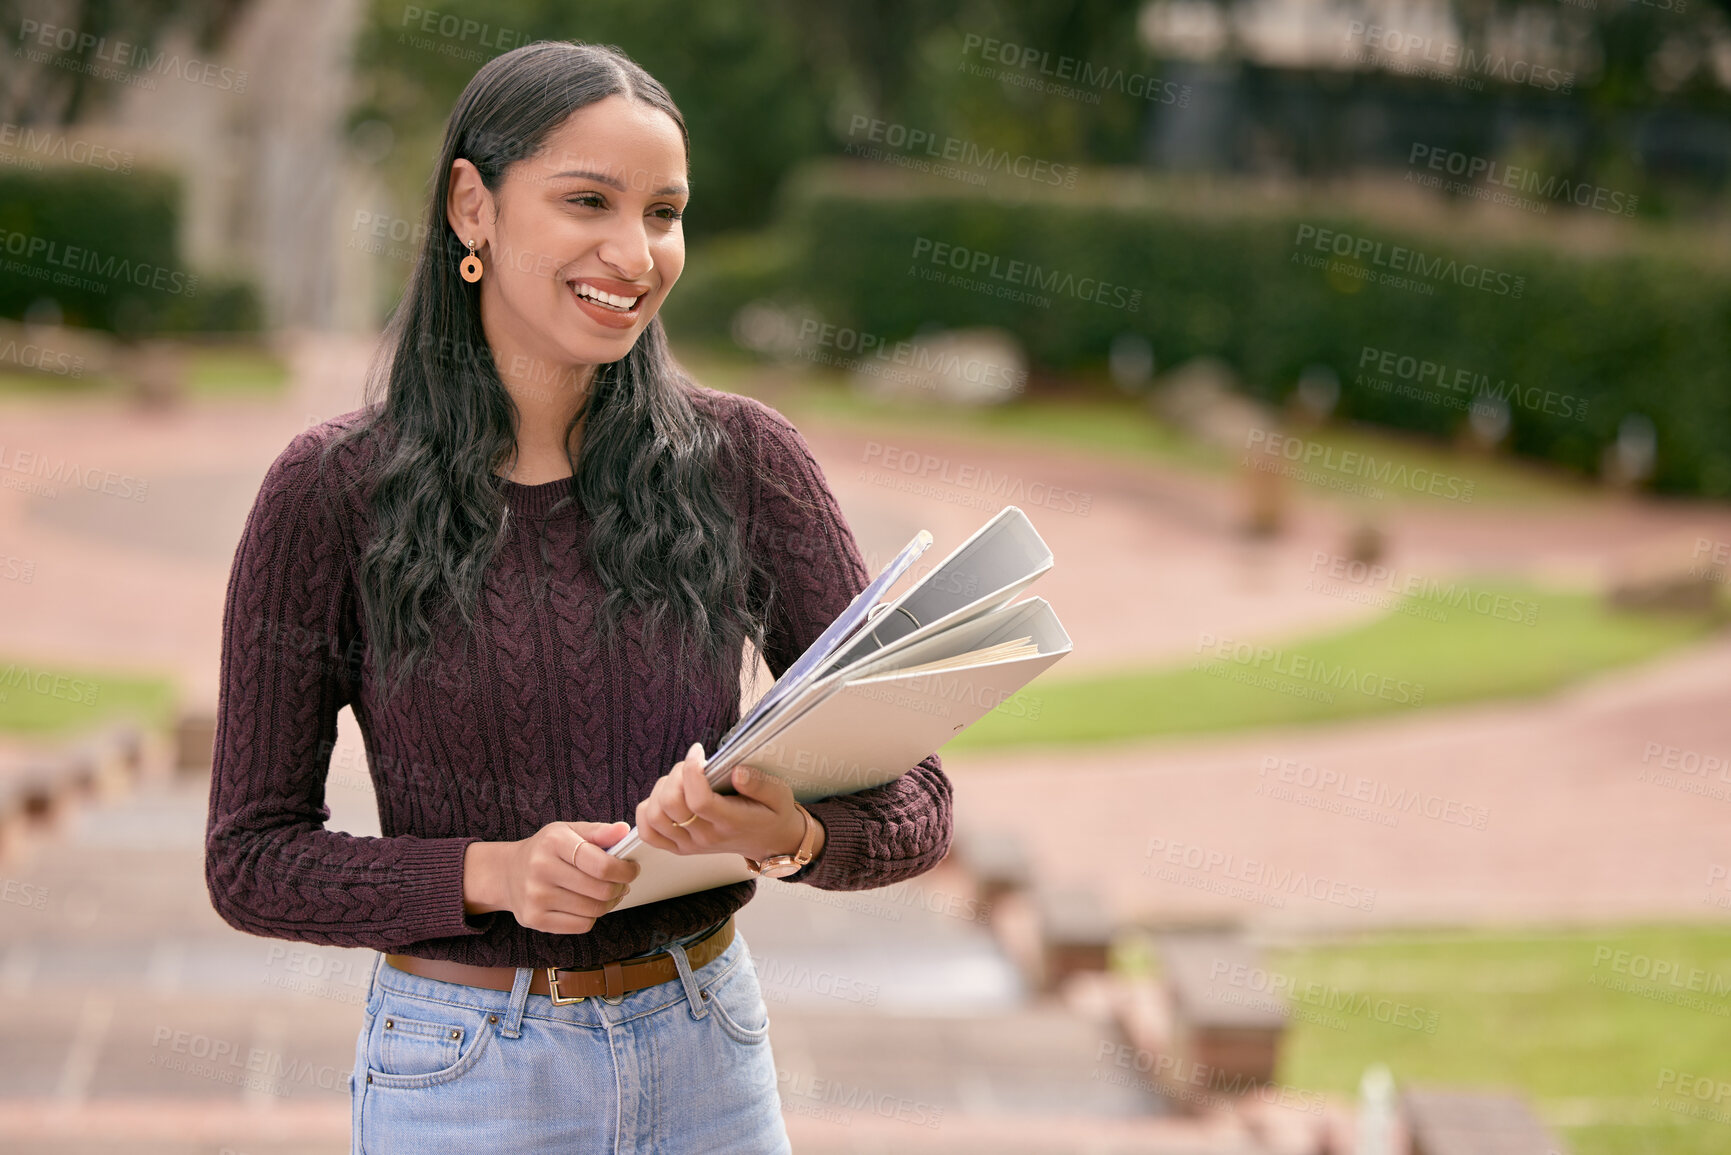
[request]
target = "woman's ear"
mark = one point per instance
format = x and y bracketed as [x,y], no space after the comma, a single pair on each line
[468,203]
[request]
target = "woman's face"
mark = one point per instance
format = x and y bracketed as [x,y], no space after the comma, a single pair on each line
[593,214]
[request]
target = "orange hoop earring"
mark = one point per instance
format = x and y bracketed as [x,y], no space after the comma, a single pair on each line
[471,267]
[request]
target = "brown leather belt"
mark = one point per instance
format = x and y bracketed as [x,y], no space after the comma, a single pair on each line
[566,985]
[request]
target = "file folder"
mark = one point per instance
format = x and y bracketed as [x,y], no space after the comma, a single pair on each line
[847,716]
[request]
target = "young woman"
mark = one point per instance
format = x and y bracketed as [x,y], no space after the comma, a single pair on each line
[531,568]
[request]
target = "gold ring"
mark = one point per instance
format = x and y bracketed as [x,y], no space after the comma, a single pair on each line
[687,822]
[580,841]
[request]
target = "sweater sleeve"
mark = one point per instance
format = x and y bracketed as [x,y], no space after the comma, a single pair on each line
[885,834]
[289,632]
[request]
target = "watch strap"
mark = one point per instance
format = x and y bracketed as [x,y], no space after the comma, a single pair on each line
[800,857]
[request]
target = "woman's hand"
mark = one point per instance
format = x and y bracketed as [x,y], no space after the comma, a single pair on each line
[559,880]
[757,822]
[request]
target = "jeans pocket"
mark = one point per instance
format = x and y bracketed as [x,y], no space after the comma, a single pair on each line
[431,1044]
[736,1000]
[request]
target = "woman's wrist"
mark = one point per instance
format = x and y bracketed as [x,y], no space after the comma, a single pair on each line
[817,839]
[817,836]
[484,877]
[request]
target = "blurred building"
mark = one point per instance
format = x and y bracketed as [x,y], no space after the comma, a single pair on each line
[258,137]
[1321,89]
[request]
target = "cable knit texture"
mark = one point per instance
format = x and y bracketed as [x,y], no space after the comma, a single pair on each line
[525,721]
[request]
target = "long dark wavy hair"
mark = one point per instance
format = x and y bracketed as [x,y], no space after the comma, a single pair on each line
[662,538]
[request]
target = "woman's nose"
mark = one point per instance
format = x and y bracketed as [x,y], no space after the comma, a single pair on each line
[626,251]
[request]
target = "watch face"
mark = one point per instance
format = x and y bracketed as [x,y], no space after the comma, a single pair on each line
[778,869]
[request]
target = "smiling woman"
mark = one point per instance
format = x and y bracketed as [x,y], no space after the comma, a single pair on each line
[531,565]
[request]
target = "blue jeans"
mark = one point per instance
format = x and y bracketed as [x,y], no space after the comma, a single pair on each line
[684,1066]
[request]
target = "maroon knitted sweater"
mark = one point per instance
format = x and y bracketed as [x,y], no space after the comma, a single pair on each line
[525,721]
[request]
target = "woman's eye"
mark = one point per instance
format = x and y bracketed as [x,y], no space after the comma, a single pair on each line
[669,213]
[593,199]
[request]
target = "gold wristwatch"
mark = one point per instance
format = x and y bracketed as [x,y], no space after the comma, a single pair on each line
[782,865]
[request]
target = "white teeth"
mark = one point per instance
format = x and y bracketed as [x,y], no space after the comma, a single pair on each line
[623,304]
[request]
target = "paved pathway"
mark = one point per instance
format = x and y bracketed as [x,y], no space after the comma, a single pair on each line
[1558,810]
[1570,830]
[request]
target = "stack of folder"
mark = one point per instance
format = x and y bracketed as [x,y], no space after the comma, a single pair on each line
[884,686]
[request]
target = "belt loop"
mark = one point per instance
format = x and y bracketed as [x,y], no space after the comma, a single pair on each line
[613,976]
[693,993]
[512,1026]
[373,992]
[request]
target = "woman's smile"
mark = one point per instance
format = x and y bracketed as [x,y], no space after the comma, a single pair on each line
[615,304]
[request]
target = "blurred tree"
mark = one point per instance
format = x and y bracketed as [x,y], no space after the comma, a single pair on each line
[765,84]
[752,102]
[50,84]
[904,63]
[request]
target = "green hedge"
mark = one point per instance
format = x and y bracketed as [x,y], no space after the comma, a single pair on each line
[105,247]
[1604,336]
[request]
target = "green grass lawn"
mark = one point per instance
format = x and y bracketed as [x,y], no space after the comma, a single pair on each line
[1402,661]
[1532,1012]
[211,370]
[41,700]
[237,369]
[1097,418]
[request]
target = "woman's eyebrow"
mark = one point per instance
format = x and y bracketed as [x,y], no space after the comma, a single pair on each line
[610,182]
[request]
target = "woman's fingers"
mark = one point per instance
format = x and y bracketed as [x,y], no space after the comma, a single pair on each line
[716,821]
[694,788]
[659,816]
[592,860]
[653,826]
